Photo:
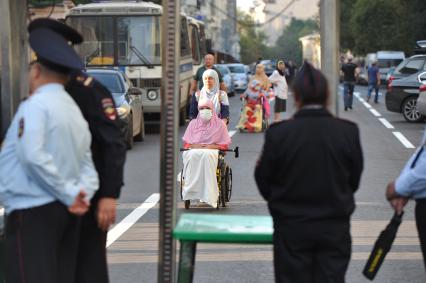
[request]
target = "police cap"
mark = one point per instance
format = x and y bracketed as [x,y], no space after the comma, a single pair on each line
[67,32]
[54,52]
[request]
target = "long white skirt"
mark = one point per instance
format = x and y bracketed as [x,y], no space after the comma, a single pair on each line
[199,175]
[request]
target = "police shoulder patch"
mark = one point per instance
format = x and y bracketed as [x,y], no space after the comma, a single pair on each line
[108,107]
[21,127]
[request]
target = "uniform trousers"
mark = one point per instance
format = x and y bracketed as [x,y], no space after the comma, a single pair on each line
[421,225]
[91,260]
[41,244]
[315,252]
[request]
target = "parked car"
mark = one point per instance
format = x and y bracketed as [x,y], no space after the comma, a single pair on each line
[239,76]
[402,94]
[128,102]
[227,78]
[410,66]
[387,60]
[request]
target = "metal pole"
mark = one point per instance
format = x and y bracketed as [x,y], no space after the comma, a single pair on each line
[14,58]
[168,135]
[330,35]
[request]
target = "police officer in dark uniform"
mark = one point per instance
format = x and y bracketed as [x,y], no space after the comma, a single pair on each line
[309,171]
[108,152]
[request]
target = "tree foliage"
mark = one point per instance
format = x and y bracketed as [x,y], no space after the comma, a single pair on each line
[369,26]
[288,45]
[252,41]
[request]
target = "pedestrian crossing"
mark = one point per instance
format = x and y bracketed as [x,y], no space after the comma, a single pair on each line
[140,245]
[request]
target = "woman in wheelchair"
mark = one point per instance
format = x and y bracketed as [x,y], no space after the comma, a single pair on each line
[205,136]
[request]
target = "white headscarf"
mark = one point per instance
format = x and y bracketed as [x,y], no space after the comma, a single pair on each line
[211,92]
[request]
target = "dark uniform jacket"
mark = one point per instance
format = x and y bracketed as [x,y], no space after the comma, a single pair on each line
[310,167]
[108,146]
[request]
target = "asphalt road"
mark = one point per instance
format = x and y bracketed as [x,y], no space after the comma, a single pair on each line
[133,255]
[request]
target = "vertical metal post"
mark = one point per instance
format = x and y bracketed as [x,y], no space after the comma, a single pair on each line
[14,58]
[330,36]
[168,135]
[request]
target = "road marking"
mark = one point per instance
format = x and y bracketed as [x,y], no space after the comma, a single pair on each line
[131,219]
[375,113]
[1,212]
[386,123]
[231,133]
[403,140]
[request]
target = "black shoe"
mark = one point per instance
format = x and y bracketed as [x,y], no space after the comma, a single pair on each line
[346,108]
[376,102]
[350,107]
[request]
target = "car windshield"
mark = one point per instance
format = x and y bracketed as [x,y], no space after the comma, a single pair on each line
[387,63]
[113,83]
[137,40]
[223,70]
[236,69]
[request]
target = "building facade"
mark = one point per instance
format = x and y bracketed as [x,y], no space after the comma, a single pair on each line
[278,14]
[219,17]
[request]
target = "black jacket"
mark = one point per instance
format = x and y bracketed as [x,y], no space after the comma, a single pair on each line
[310,167]
[108,145]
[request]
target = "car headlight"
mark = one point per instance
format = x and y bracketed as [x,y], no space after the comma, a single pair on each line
[121,111]
[152,94]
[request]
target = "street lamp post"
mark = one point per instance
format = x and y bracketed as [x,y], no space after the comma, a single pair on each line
[168,134]
[14,59]
[330,35]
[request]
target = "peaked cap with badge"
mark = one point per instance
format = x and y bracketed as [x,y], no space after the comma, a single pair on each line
[53,51]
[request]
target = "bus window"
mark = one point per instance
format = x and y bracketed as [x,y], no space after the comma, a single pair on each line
[138,40]
[195,40]
[184,40]
[98,45]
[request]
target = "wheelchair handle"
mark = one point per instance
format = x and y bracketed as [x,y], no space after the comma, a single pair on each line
[235,150]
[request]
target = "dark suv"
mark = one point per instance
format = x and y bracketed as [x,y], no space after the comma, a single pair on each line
[402,94]
[410,66]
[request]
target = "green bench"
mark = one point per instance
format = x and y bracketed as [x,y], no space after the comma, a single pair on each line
[213,228]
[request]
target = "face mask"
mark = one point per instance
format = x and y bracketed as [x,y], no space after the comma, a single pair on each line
[206,114]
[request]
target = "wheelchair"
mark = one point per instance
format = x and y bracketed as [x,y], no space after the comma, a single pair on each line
[223,176]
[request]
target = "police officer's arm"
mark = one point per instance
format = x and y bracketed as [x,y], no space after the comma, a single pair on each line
[110,142]
[39,164]
[193,86]
[357,161]
[222,85]
[412,179]
[265,166]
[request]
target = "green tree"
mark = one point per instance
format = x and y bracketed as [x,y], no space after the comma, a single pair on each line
[346,36]
[252,41]
[387,25]
[288,45]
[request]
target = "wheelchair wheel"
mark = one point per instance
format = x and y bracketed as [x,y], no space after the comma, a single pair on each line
[181,184]
[187,204]
[228,183]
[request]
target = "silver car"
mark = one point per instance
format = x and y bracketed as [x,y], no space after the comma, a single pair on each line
[227,78]
[128,102]
[239,75]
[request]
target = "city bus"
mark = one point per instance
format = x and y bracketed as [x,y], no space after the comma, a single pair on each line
[127,36]
[198,42]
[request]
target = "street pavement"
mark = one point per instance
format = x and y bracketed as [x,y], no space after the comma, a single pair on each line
[133,248]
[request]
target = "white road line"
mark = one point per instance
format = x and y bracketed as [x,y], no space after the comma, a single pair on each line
[386,123]
[367,105]
[403,140]
[131,219]
[231,133]
[1,212]
[375,113]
